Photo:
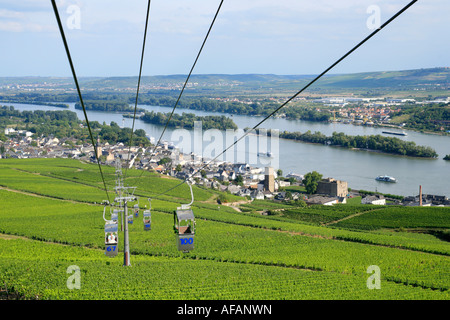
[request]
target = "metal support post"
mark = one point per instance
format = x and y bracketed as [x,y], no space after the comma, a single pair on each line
[126,243]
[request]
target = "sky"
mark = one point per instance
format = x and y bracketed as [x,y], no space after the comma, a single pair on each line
[249,36]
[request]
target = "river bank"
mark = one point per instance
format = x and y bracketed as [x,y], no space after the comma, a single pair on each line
[358,168]
[388,145]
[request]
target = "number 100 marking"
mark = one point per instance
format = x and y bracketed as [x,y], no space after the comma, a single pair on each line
[187,241]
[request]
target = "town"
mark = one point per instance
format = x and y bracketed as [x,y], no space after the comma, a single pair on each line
[239,179]
[370,111]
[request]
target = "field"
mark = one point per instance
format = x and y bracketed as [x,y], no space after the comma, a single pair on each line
[51,221]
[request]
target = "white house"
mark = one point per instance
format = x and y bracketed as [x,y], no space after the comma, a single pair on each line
[326,201]
[376,199]
[223,175]
[52,142]
[284,184]
[257,194]
[9,130]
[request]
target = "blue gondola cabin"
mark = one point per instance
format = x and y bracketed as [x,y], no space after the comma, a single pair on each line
[147,220]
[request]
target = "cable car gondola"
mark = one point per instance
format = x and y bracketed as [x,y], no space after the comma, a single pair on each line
[111,235]
[111,239]
[184,226]
[136,209]
[147,218]
[130,219]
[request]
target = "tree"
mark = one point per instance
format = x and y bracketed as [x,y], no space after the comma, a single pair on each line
[279,173]
[311,180]
[222,199]
[164,161]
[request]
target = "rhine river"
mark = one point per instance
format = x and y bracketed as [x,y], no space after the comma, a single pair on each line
[358,168]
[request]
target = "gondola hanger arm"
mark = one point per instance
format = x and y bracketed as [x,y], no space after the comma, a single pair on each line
[187,206]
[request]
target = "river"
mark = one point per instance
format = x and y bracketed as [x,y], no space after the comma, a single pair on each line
[358,168]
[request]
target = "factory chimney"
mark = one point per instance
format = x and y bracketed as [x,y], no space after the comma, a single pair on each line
[420,195]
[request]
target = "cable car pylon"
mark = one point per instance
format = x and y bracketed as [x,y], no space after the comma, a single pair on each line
[124,195]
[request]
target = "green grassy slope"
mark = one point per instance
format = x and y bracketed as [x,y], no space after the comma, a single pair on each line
[237,255]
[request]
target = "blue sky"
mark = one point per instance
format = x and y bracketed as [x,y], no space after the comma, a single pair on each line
[250,36]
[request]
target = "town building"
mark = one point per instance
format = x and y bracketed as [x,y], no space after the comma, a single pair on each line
[326,201]
[332,187]
[269,180]
[374,199]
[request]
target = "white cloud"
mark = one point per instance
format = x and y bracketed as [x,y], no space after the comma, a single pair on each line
[30,19]
[10,14]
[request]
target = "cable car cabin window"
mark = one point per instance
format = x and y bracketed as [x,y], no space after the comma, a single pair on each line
[111,232]
[184,229]
[111,238]
[184,222]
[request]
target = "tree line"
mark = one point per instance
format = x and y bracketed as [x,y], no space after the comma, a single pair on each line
[431,118]
[262,108]
[391,145]
[65,124]
[106,105]
[187,120]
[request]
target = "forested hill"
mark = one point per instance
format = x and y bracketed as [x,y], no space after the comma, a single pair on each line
[366,79]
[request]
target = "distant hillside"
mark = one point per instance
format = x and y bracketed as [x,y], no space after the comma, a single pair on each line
[253,82]
[405,78]
[357,80]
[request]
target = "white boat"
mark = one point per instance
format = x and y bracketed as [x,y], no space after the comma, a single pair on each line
[386,179]
[265,154]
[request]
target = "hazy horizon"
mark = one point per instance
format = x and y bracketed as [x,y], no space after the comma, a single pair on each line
[218,74]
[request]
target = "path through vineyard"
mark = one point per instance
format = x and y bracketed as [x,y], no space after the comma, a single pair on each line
[349,217]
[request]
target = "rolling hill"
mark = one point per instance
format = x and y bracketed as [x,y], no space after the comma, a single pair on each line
[253,82]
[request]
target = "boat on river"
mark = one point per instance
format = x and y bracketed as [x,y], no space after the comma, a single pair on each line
[265,154]
[386,178]
[403,133]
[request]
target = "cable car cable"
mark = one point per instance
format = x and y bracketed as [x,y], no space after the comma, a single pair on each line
[309,84]
[185,83]
[299,92]
[138,86]
[58,19]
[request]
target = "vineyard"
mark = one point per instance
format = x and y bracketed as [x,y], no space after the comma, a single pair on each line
[51,219]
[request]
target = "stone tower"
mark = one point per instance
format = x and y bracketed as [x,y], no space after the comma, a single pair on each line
[269,180]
